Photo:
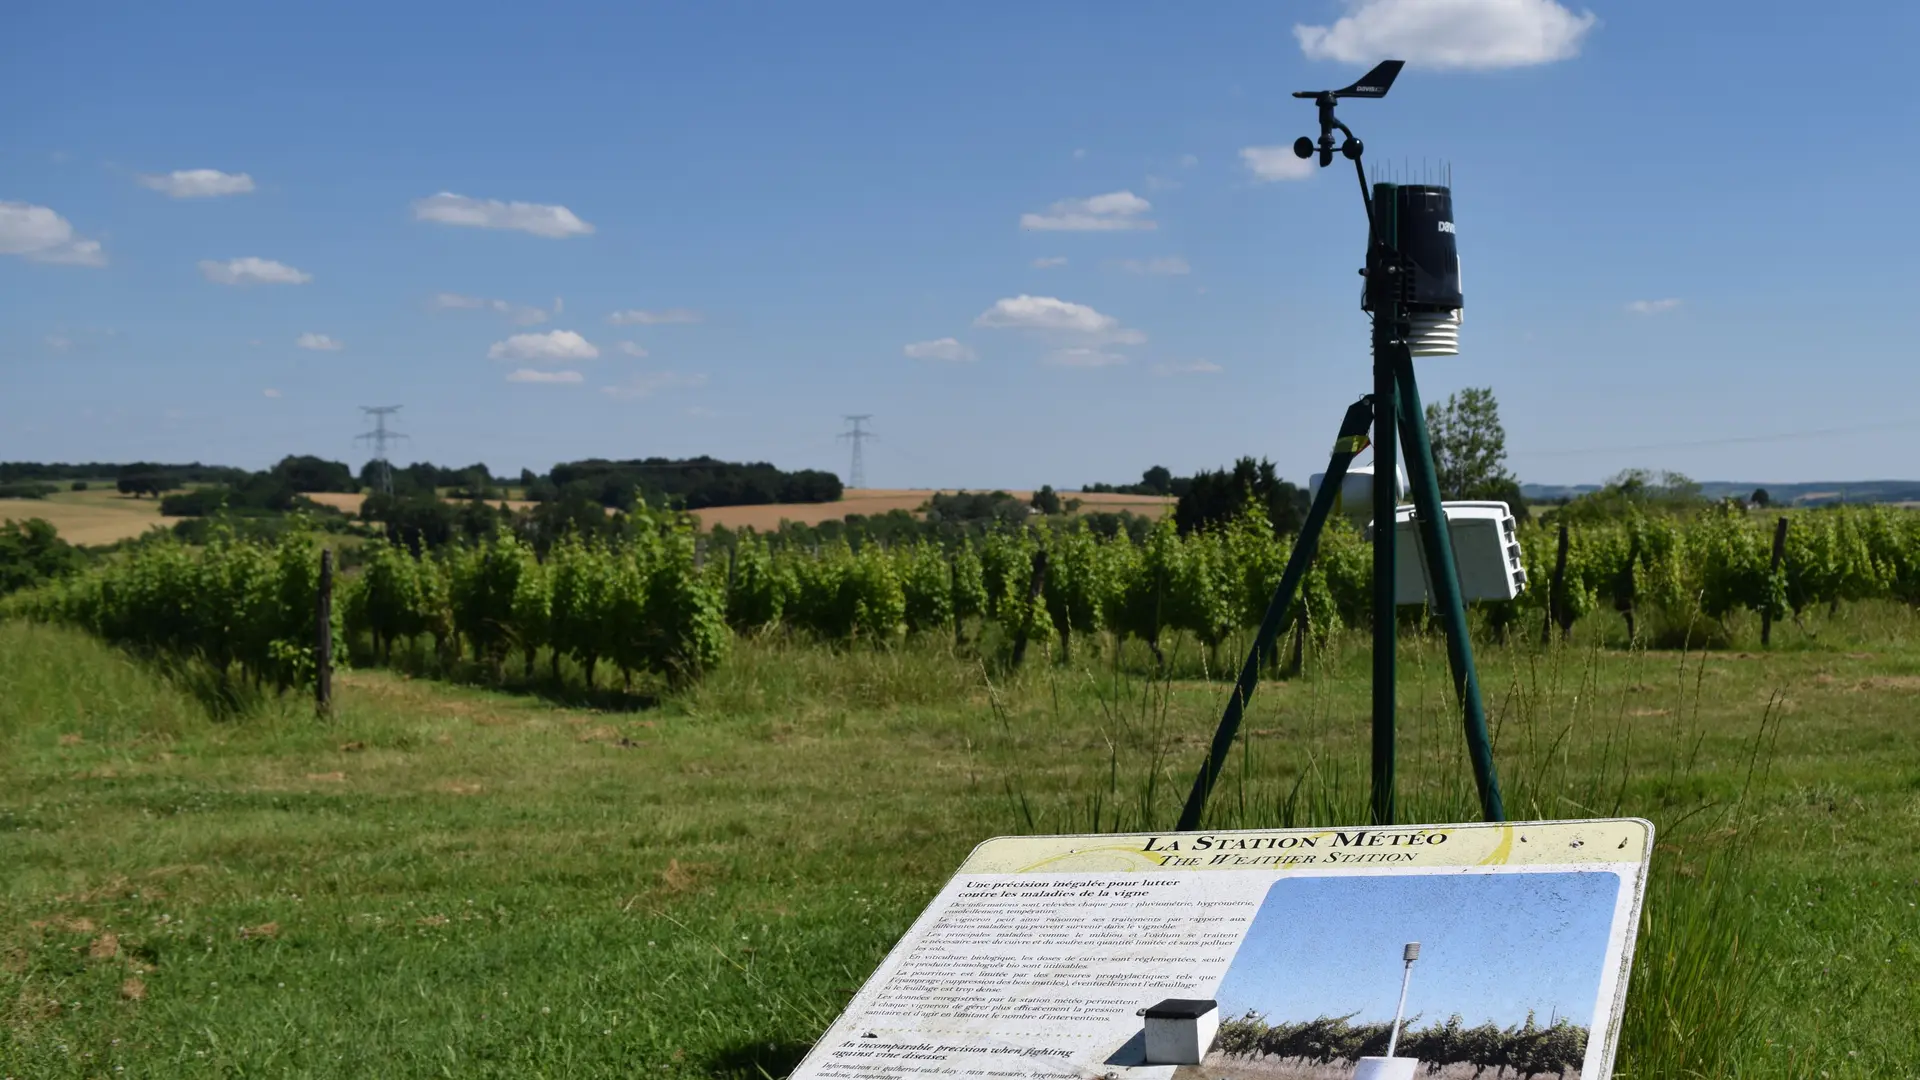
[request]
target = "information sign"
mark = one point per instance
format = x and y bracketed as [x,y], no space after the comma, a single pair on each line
[1435,951]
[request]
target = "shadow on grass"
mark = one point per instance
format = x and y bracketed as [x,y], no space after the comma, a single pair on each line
[565,685]
[758,1061]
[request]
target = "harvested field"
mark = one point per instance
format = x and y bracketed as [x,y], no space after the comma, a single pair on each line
[90,517]
[871,501]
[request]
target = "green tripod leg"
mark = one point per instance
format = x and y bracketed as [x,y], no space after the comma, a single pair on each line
[1353,439]
[1437,542]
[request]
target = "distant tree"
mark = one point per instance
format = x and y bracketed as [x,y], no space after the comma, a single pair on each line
[144,479]
[1636,491]
[77,485]
[1157,480]
[304,473]
[1470,446]
[1046,500]
[1213,498]
[31,552]
[1760,498]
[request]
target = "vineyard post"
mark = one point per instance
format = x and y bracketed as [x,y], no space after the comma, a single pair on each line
[1555,590]
[1035,583]
[1773,572]
[323,638]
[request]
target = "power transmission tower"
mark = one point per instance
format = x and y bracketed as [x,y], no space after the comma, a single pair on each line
[857,474]
[380,437]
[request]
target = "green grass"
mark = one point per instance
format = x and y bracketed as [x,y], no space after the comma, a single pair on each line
[465,882]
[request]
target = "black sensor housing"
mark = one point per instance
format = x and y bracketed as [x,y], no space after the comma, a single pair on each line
[1416,220]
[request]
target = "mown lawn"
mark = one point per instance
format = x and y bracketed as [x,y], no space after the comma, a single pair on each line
[453,881]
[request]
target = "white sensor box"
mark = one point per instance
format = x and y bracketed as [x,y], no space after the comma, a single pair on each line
[1486,553]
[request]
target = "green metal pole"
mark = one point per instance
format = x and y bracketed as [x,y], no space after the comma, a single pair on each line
[1438,542]
[1382,287]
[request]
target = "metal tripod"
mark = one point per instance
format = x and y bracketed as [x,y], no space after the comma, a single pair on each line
[1394,412]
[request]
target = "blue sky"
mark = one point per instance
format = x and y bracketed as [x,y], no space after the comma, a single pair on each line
[1671,218]
[1492,946]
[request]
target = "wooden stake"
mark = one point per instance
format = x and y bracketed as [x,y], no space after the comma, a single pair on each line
[323,639]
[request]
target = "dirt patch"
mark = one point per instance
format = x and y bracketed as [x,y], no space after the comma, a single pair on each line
[267,931]
[104,947]
[681,877]
[459,787]
[1649,712]
[335,777]
[432,920]
[71,739]
[353,747]
[1889,682]
[134,989]
[66,924]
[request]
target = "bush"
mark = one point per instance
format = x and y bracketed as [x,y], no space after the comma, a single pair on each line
[200,502]
[26,489]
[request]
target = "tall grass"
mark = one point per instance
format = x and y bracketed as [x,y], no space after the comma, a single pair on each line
[1573,739]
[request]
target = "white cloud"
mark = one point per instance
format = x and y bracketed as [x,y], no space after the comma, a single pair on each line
[653,382]
[1270,163]
[1653,307]
[270,392]
[319,343]
[58,342]
[1188,161]
[520,314]
[633,348]
[1079,153]
[1162,183]
[1450,33]
[1025,312]
[945,348]
[1048,262]
[1165,264]
[1189,367]
[636,317]
[198,183]
[553,222]
[252,271]
[1102,213]
[530,375]
[552,347]
[39,234]
[1084,358]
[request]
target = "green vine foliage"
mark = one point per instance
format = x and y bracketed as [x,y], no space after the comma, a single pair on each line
[649,603]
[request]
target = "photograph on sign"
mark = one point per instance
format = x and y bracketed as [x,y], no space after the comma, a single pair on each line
[1506,968]
[1302,954]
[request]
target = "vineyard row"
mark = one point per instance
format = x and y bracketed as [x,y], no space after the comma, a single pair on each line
[657,603]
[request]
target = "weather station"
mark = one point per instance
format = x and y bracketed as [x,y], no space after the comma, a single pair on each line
[1431,552]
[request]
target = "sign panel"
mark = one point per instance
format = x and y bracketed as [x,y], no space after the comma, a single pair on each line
[1266,955]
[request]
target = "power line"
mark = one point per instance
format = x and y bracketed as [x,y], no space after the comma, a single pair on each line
[1783,436]
[857,474]
[380,436]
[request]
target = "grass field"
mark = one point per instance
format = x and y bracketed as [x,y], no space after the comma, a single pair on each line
[453,881]
[92,517]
